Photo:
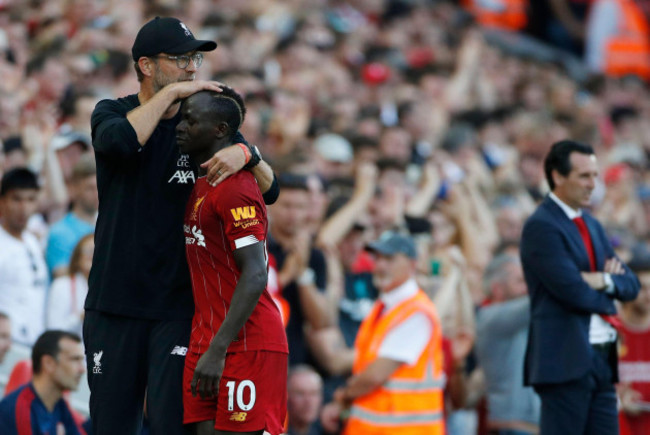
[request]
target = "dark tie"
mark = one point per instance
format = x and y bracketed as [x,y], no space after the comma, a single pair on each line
[586,239]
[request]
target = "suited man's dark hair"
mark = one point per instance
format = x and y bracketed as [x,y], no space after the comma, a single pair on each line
[558,158]
[49,344]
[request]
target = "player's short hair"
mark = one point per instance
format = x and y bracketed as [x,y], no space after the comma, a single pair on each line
[48,344]
[558,158]
[228,106]
[18,178]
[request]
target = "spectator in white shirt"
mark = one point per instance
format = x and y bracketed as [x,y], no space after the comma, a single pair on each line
[23,273]
[65,307]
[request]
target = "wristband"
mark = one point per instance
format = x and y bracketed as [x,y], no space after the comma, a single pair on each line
[255,157]
[247,153]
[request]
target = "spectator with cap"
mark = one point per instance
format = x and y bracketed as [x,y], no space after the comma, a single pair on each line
[333,156]
[68,147]
[24,282]
[397,379]
[79,221]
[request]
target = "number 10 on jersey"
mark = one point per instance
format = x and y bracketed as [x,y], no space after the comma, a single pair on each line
[231,385]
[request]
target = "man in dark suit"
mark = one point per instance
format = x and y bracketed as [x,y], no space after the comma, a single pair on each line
[573,277]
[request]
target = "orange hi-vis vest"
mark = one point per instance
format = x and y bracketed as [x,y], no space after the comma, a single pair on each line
[628,52]
[500,14]
[411,401]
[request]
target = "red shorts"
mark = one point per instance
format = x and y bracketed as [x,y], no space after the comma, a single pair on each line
[252,393]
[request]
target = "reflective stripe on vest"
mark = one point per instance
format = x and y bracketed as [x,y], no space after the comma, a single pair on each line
[430,382]
[397,419]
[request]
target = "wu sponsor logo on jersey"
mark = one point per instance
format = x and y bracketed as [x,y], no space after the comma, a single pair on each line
[97,359]
[179,350]
[240,213]
[238,416]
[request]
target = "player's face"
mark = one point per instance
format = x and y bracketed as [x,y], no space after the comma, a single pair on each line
[16,207]
[195,131]
[70,366]
[5,337]
[575,189]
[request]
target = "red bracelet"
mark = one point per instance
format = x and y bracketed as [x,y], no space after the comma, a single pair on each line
[247,153]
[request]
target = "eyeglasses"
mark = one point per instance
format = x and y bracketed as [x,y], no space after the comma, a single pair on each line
[184,61]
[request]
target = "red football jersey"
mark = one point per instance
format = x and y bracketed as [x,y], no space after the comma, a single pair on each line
[219,220]
[634,368]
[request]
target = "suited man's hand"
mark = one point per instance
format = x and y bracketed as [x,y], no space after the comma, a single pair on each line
[613,266]
[595,280]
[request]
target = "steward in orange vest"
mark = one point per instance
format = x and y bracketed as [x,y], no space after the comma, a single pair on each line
[500,14]
[397,379]
[628,52]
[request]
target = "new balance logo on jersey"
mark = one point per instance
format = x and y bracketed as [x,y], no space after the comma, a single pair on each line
[179,350]
[182,177]
[240,213]
[238,416]
[97,359]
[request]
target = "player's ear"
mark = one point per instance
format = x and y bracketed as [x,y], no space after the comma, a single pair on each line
[221,130]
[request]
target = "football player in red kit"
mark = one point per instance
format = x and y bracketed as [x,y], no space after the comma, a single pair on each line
[236,367]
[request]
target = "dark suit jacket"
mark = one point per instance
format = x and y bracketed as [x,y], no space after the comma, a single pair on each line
[553,255]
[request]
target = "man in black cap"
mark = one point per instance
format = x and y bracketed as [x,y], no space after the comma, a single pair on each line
[139,305]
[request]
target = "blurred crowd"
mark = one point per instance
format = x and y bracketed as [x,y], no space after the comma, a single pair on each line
[377,115]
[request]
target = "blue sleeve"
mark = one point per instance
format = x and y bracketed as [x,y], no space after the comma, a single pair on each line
[547,260]
[112,133]
[626,286]
[7,416]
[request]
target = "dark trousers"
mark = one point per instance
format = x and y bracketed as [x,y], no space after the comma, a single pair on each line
[583,406]
[126,357]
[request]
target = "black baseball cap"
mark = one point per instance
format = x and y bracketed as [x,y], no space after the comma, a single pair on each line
[167,35]
[391,243]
